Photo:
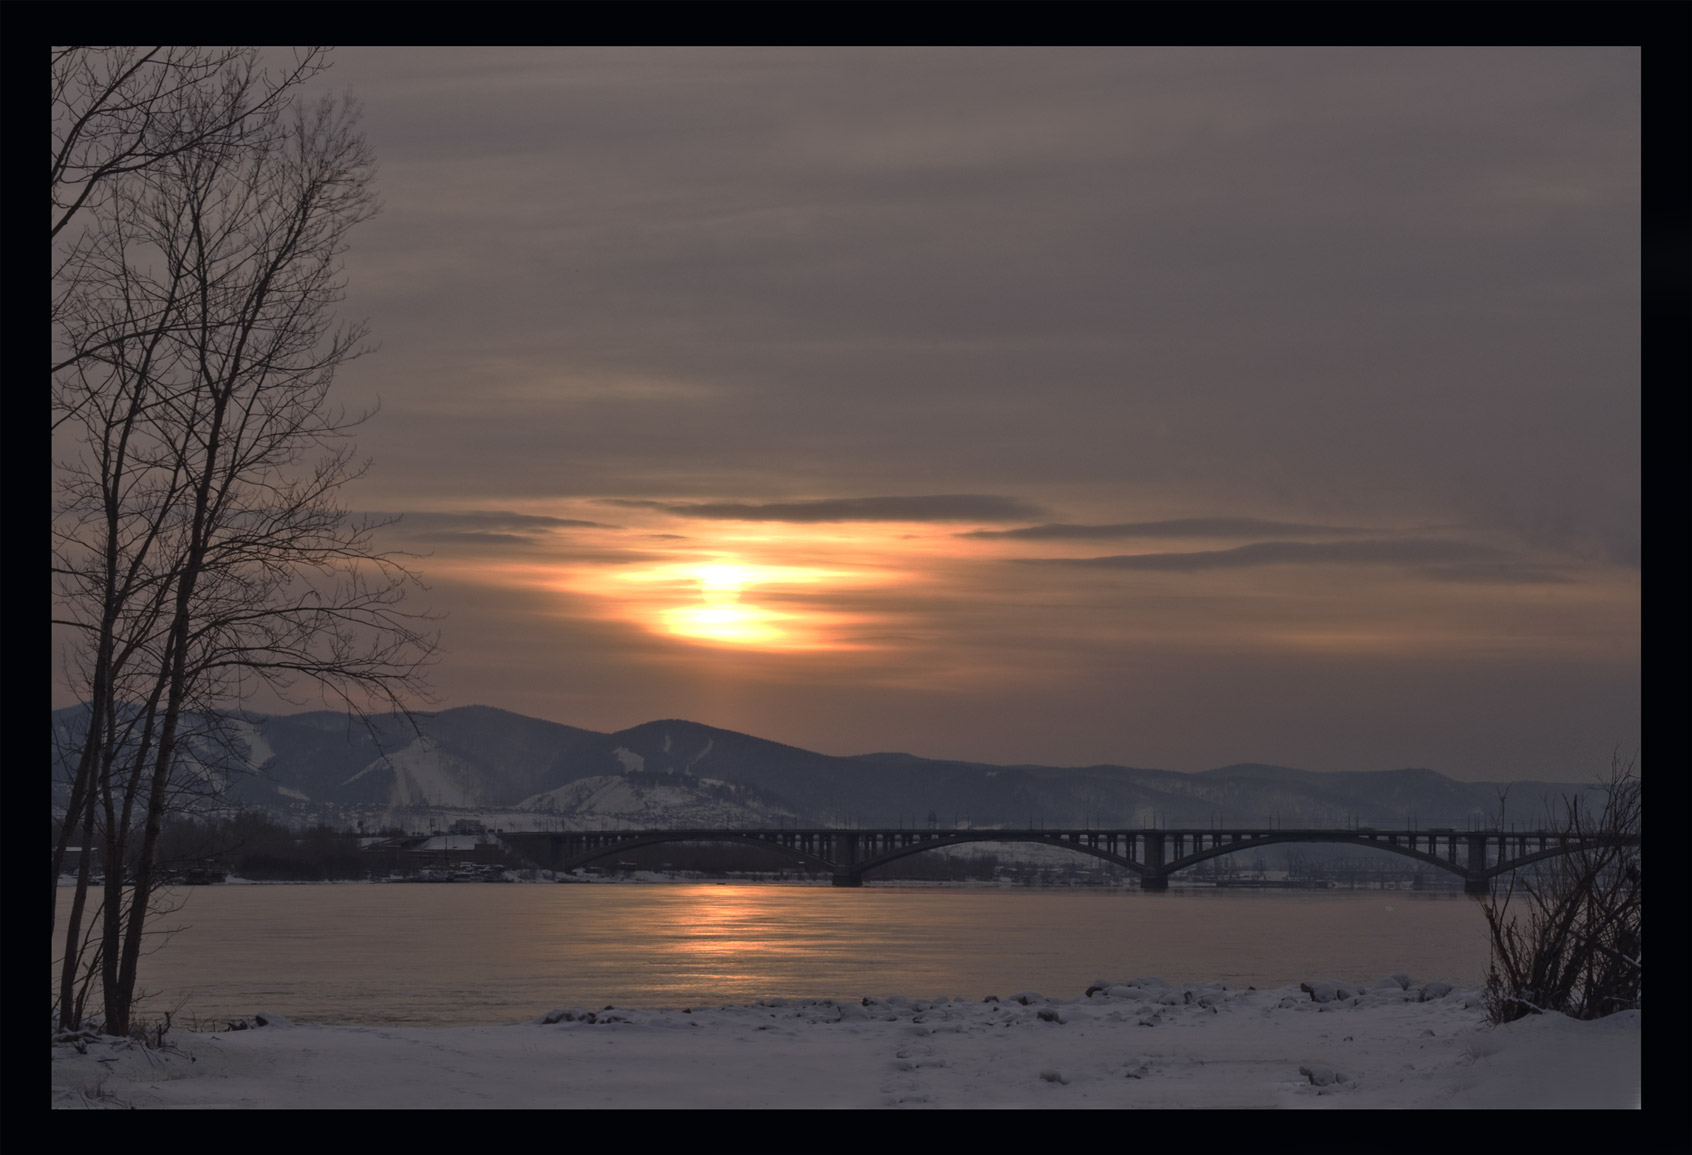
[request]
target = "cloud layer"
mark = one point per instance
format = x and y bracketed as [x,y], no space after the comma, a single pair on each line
[1417,552]
[942,507]
[1180,527]
[1341,344]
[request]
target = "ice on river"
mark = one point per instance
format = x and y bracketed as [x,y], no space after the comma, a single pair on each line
[1130,1043]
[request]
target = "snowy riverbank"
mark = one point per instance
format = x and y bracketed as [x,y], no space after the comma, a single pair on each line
[1141,1043]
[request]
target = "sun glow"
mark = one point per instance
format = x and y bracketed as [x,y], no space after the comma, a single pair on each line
[736,625]
[722,618]
[722,602]
[754,586]
[716,580]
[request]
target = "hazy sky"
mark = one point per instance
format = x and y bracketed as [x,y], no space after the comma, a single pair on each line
[1170,408]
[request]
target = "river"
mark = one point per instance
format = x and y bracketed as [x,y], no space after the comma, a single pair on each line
[477,954]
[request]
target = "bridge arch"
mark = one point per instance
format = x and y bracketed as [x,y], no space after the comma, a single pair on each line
[1474,875]
[1566,846]
[1151,854]
[1068,841]
[960,837]
[1307,839]
[659,837]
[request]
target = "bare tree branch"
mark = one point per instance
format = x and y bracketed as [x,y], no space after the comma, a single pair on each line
[200,548]
[1566,933]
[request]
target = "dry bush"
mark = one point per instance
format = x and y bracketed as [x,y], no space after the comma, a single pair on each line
[1566,932]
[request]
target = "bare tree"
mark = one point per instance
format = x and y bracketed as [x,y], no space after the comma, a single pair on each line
[116,113]
[1566,932]
[121,110]
[200,548]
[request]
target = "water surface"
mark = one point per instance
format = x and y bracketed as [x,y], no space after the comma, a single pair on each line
[469,954]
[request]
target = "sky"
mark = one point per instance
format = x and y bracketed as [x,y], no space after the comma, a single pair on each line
[1165,408]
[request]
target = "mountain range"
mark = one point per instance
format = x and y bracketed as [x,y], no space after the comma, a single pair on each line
[526,773]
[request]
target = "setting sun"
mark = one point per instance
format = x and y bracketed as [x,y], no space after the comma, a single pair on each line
[720,582]
[724,602]
[720,619]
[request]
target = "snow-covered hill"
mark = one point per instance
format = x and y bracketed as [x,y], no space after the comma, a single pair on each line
[680,773]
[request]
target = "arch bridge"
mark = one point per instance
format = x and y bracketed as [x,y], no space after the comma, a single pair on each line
[1475,856]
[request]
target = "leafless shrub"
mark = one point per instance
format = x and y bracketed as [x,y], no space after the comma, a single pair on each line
[1566,933]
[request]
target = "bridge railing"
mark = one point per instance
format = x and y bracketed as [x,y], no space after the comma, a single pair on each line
[1154,853]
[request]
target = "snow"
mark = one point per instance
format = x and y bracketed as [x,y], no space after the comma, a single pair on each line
[1127,1043]
[610,801]
[452,842]
[259,752]
[423,775]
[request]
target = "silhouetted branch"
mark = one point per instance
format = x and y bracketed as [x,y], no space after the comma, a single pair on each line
[1566,934]
[199,547]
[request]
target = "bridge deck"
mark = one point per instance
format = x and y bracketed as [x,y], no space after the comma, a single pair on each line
[1154,853]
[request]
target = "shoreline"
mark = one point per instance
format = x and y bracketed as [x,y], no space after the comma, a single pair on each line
[654,878]
[1137,1043]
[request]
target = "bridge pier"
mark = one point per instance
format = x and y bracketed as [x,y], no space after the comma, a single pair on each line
[848,880]
[1156,880]
[1477,887]
[1477,851]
